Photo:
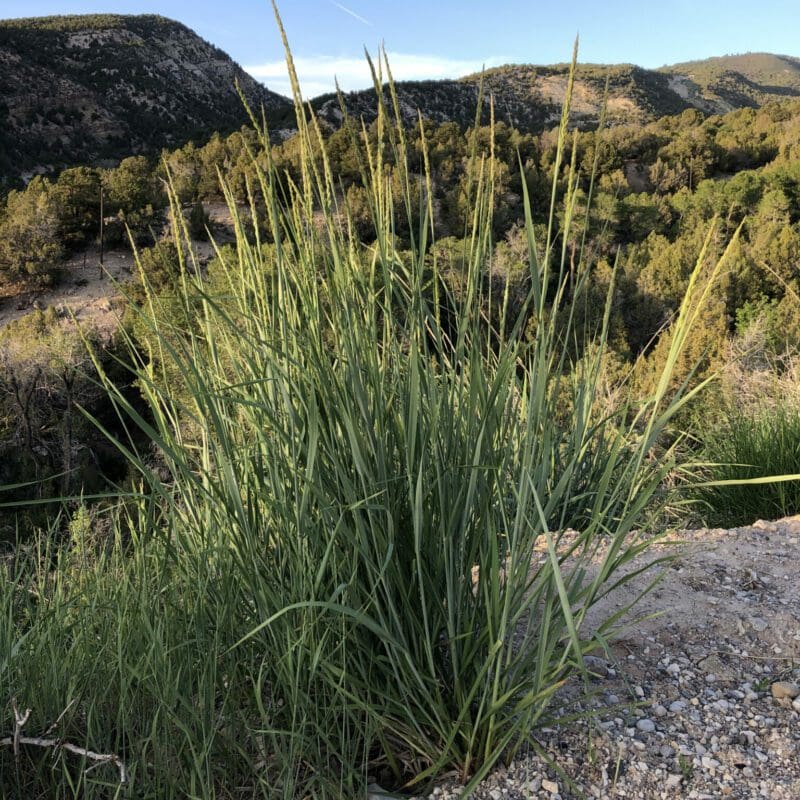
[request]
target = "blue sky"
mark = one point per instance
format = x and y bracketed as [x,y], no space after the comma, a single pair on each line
[448,38]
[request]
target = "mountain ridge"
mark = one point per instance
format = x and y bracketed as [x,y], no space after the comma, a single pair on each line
[530,96]
[83,88]
[96,88]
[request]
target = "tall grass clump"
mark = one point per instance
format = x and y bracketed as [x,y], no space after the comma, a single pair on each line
[354,561]
[749,445]
[752,446]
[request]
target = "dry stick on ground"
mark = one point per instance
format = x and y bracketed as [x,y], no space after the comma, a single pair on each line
[18,739]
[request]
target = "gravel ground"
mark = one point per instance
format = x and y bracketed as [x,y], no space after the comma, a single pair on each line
[701,702]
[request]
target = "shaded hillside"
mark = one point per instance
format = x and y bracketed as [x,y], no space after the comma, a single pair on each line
[439,101]
[85,88]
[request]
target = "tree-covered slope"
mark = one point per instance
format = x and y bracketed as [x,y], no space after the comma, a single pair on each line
[84,88]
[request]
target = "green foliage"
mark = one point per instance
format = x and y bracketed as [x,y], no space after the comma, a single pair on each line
[159,266]
[183,170]
[47,447]
[131,186]
[30,245]
[753,444]
[430,350]
[198,222]
[764,314]
[77,197]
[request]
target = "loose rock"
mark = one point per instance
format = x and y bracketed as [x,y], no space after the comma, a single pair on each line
[782,689]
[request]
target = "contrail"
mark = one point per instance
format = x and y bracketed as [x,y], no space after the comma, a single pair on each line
[351,13]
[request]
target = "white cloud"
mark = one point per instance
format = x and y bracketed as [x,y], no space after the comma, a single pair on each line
[317,73]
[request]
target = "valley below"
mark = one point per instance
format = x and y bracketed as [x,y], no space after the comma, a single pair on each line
[85,291]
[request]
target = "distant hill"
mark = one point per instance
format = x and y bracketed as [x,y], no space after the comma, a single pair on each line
[79,89]
[719,85]
[530,97]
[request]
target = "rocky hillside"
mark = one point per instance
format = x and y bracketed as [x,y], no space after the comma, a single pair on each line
[86,88]
[530,97]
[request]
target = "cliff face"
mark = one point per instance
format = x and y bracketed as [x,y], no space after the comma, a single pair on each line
[87,88]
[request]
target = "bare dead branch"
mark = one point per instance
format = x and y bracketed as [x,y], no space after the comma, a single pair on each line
[17,739]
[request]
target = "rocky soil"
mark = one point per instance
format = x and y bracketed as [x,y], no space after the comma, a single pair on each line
[700,702]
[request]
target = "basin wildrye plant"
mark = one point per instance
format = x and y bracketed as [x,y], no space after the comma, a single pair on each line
[343,554]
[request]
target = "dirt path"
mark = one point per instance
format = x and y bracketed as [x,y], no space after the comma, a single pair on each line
[85,289]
